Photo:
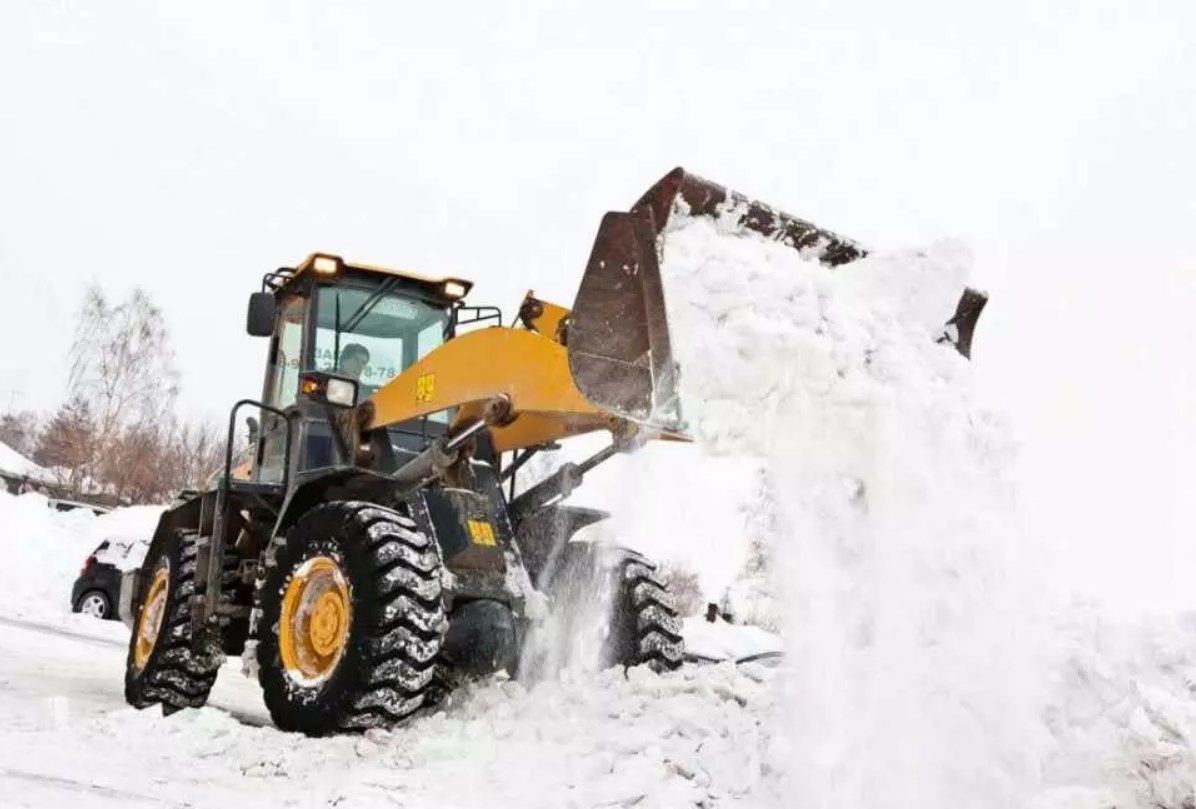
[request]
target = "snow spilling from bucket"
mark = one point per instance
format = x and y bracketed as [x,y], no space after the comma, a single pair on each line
[892,539]
[567,640]
[930,663]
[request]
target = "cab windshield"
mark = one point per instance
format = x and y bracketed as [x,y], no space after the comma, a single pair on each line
[372,334]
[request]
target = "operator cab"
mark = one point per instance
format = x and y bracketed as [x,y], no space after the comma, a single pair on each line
[359,321]
[372,329]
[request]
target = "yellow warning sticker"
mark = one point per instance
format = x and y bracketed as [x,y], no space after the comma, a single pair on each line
[425,387]
[482,533]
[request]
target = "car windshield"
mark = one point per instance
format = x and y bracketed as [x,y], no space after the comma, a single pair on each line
[373,334]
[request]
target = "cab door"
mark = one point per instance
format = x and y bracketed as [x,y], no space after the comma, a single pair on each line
[288,350]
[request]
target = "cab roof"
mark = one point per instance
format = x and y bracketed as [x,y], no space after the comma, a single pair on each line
[330,264]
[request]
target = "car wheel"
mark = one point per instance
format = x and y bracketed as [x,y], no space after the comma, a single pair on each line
[95,604]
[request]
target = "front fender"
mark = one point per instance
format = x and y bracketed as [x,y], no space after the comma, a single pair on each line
[125,608]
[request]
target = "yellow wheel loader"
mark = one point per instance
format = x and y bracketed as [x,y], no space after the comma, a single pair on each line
[371,547]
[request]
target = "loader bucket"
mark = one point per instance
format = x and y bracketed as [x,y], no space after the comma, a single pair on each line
[618,333]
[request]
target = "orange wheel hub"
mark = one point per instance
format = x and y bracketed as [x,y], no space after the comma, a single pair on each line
[313,627]
[149,622]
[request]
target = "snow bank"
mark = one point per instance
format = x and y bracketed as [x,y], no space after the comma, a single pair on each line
[44,551]
[15,463]
[1123,717]
[719,640]
[128,531]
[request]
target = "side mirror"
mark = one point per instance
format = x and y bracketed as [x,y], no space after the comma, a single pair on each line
[260,320]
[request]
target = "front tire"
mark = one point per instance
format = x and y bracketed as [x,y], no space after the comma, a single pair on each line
[350,621]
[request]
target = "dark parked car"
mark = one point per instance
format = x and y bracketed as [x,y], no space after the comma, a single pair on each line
[97,589]
[59,504]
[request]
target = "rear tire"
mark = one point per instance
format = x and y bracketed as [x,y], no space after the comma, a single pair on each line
[620,587]
[349,620]
[168,665]
[645,629]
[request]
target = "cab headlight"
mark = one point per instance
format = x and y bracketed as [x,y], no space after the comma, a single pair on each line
[341,392]
[321,386]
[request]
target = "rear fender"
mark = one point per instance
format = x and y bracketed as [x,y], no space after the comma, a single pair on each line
[542,535]
[130,581]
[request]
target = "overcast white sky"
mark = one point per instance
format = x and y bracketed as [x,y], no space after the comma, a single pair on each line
[188,148]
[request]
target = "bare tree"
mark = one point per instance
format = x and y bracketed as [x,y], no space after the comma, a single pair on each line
[150,462]
[66,446]
[686,588]
[760,519]
[196,452]
[130,467]
[118,435]
[122,370]
[18,429]
[122,363]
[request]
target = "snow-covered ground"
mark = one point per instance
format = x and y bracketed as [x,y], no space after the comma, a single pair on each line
[610,741]
[66,735]
[929,660]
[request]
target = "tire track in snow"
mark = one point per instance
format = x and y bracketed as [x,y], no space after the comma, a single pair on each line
[50,629]
[70,784]
[218,700]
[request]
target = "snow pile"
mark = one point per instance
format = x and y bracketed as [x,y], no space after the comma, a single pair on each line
[44,550]
[719,640]
[1124,717]
[128,532]
[928,662]
[14,463]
